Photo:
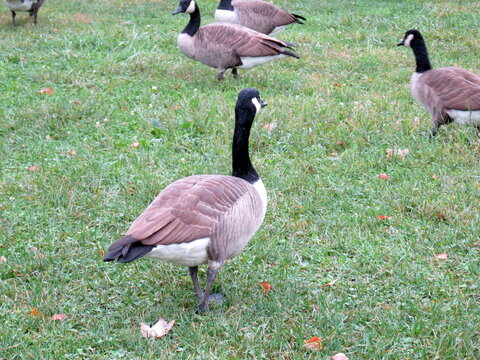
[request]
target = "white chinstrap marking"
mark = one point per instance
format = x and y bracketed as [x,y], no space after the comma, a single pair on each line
[257,105]
[191,7]
[249,61]
[192,253]
[465,117]
[408,40]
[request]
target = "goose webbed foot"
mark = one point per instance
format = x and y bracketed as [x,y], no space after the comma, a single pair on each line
[220,75]
[235,73]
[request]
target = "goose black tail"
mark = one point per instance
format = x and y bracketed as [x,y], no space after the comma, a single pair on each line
[127,249]
[291,53]
[300,19]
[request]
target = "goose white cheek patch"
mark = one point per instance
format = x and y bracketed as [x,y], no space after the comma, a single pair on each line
[257,105]
[408,40]
[191,7]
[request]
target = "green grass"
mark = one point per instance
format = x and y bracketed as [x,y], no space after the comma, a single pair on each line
[338,109]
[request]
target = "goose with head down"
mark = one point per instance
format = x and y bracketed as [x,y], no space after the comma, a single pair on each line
[203,218]
[226,46]
[449,94]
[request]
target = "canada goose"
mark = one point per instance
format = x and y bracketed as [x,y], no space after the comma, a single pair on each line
[257,15]
[203,218]
[449,94]
[226,46]
[31,6]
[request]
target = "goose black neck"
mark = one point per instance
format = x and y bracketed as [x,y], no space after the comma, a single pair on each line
[421,56]
[194,23]
[241,165]
[225,5]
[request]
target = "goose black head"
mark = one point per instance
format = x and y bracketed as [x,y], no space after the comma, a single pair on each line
[411,36]
[249,101]
[185,6]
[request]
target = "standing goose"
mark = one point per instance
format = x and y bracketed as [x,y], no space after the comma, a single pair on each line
[226,46]
[32,6]
[449,94]
[257,15]
[203,218]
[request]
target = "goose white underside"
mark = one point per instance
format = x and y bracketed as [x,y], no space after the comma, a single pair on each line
[17,5]
[465,117]
[277,30]
[225,16]
[249,61]
[193,253]
[258,185]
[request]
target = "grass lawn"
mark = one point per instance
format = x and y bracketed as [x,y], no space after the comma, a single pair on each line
[118,78]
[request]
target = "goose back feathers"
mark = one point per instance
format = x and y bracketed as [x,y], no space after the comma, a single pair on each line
[449,94]
[227,46]
[257,15]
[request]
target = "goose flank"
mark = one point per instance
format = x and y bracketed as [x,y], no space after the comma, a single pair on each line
[31,6]
[449,94]
[226,46]
[203,219]
[257,15]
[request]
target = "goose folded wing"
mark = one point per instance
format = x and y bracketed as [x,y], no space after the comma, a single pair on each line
[185,211]
[456,88]
[249,9]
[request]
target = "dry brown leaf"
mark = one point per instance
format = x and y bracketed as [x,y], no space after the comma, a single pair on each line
[441,256]
[47,91]
[159,330]
[339,356]
[35,312]
[401,153]
[331,283]
[315,343]
[33,168]
[383,176]
[266,287]
[269,127]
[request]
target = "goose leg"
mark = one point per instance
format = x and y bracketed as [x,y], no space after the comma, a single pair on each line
[194,275]
[434,130]
[35,12]
[13,17]
[235,73]
[211,275]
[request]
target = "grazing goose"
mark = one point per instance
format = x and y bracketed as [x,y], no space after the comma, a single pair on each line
[449,94]
[31,6]
[226,46]
[257,15]
[203,218]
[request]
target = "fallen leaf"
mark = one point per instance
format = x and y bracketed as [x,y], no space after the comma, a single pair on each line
[401,153]
[60,317]
[159,330]
[333,153]
[3,259]
[266,287]
[383,217]
[441,256]
[47,91]
[73,153]
[330,283]
[35,312]
[33,168]
[339,356]
[135,145]
[315,343]
[269,127]
[175,107]
[383,176]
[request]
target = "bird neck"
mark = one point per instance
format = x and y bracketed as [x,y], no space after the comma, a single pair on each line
[241,165]
[225,5]
[194,23]
[421,56]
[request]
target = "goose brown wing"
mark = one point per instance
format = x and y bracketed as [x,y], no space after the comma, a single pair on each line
[456,88]
[243,41]
[187,209]
[258,11]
